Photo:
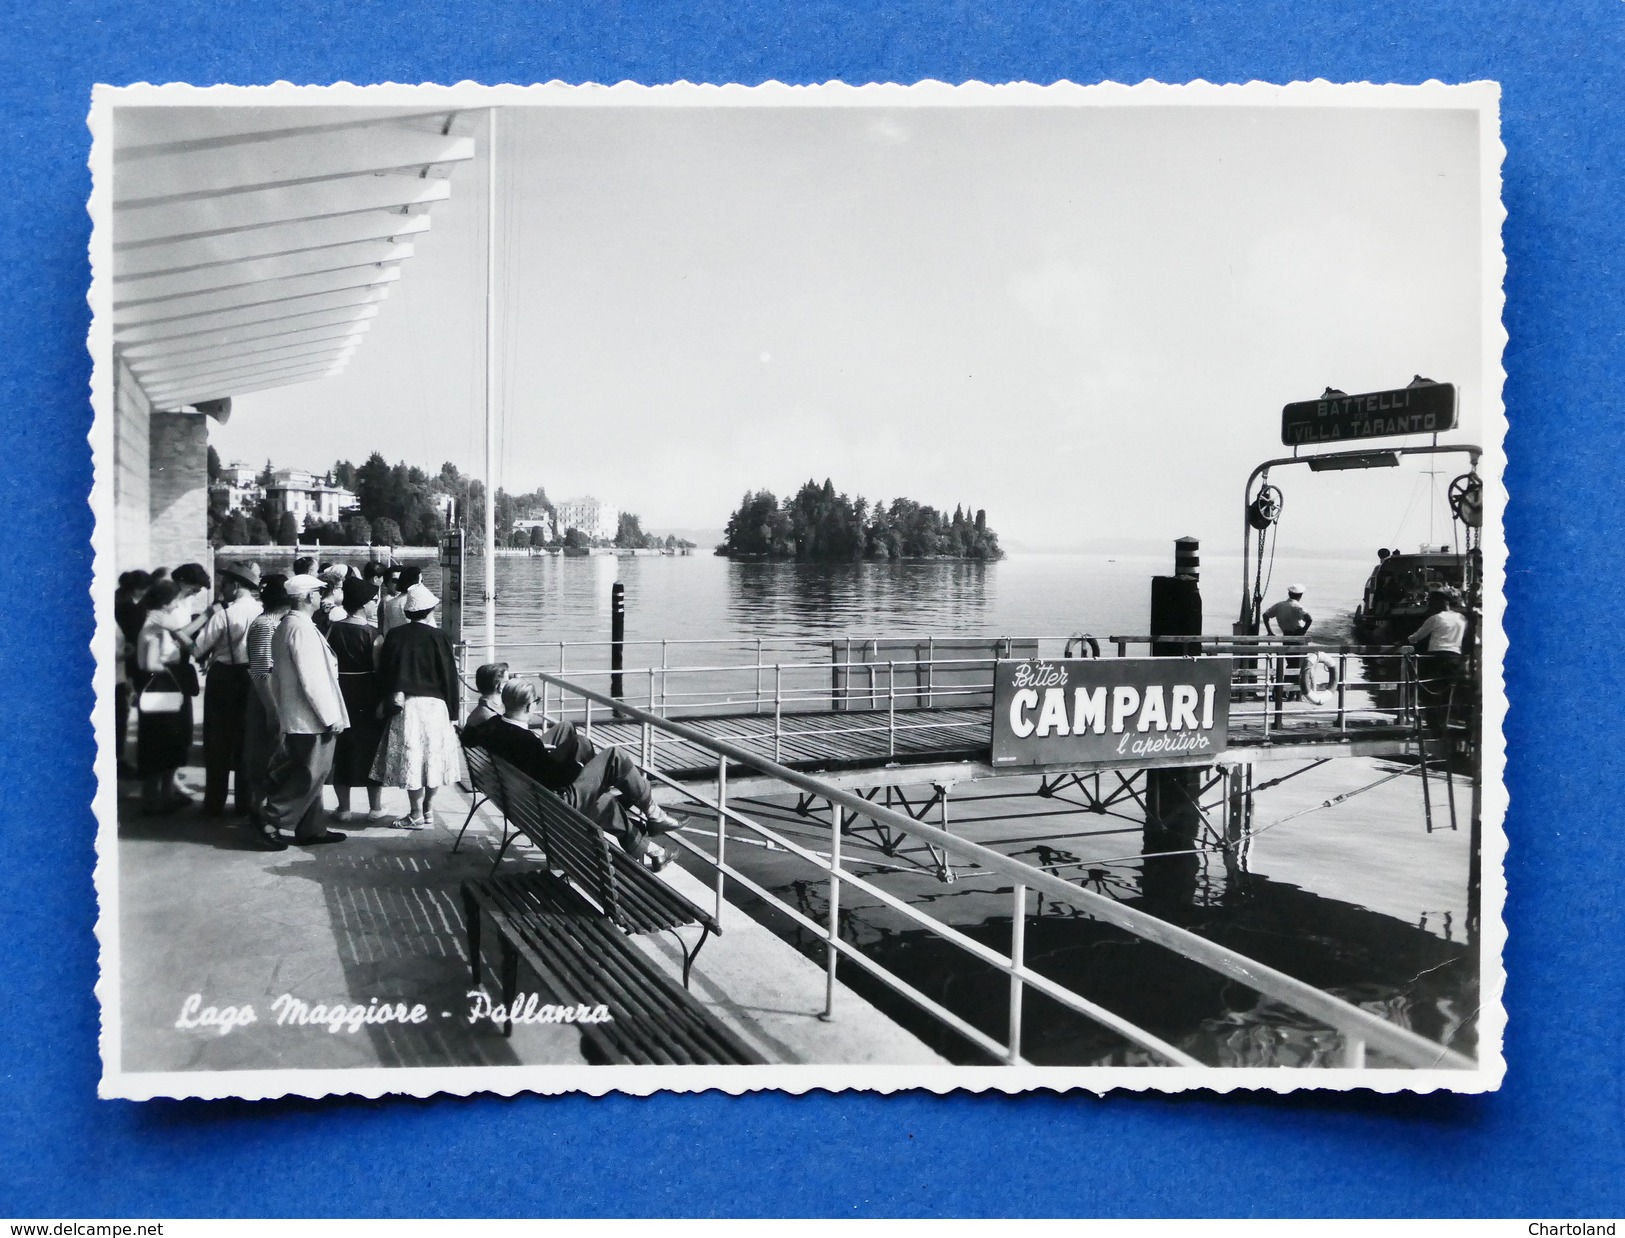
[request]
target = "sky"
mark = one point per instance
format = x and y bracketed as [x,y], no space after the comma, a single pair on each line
[1083,319]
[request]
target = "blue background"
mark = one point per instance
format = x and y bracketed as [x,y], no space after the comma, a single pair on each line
[1548,1144]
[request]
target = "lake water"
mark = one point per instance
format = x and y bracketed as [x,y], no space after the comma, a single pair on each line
[703,596]
[1359,900]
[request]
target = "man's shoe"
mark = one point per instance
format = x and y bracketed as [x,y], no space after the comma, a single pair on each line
[268,837]
[654,858]
[332,836]
[658,821]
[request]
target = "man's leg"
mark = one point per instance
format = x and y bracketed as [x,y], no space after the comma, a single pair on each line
[321,765]
[217,754]
[295,781]
[567,740]
[235,689]
[259,742]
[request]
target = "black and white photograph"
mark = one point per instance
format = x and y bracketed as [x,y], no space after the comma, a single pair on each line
[677,588]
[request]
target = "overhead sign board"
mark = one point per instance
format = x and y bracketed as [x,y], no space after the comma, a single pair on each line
[1131,712]
[1426,408]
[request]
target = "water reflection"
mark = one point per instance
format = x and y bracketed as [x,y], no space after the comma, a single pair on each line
[794,599]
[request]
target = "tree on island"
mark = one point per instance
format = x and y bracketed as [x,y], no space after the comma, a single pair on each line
[287,529]
[819,523]
[385,532]
[358,530]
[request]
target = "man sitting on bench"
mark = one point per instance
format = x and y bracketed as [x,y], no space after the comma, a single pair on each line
[565,762]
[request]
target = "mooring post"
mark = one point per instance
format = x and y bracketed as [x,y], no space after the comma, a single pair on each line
[617,637]
[1172,813]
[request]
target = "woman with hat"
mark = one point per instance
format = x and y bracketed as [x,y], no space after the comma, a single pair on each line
[223,642]
[417,680]
[355,644]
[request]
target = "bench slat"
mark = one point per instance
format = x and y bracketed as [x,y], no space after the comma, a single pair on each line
[604,959]
[577,956]
[641,1030]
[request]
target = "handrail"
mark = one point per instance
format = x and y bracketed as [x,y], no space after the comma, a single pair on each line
[1360,1025]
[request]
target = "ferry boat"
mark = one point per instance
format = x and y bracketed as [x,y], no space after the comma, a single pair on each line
[1395,600]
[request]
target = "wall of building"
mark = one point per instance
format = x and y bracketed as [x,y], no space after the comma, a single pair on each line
[178,489]
[131,464]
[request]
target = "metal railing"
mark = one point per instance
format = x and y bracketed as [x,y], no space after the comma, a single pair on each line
[1358,1028]
[912,699]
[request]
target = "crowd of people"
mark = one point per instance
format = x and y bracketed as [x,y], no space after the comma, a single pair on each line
[332,677]
[322,677]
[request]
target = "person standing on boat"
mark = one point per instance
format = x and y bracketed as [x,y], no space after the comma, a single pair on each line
[310,710]
[417,688]
[1289,615]
[1438,642]
[1291,619]
[223,640]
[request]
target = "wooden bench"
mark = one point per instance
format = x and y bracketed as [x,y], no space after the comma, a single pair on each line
[571,926]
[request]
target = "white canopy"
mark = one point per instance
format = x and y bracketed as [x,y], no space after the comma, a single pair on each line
[252,246]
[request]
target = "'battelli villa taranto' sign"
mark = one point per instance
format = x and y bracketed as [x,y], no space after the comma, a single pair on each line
[1117,711]
[1423,408]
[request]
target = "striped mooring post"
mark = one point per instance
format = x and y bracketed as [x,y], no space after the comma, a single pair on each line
[1172,796]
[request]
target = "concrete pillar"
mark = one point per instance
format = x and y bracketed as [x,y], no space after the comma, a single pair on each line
[178,489]
[132,463]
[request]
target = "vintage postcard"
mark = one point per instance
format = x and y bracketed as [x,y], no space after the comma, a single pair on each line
[637,588]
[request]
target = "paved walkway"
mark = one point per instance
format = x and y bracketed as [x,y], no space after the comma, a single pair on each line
[379,917]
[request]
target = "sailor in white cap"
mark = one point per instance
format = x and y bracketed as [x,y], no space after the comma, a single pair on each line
[417,680]
[1289,616]
[311,713]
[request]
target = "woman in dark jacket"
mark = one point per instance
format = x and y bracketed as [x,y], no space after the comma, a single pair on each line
[355,645]
[417,684]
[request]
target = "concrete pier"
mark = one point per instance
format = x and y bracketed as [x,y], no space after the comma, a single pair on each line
[378,916]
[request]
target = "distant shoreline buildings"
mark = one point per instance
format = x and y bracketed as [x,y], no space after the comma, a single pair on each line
[598,520]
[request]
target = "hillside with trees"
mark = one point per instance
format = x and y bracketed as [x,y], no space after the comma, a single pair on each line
[401,505]
[820,524]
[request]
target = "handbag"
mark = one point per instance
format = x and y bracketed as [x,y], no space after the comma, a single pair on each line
[162,695]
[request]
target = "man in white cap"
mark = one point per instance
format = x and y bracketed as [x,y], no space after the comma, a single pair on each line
[224,643]
[1289,616]
[311,712]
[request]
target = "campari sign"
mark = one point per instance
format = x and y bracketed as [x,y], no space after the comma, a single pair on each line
[1110,711]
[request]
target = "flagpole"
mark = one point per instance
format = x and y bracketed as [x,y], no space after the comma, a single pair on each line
[490,588]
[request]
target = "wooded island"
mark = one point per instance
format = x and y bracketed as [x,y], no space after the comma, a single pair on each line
[818,523]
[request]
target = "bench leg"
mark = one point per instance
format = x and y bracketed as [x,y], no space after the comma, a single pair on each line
[508,835]
[471,912]
[690,955]
[475,807]
[510,980]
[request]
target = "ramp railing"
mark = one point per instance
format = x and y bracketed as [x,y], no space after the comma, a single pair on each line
[910,687]
[1358,1028]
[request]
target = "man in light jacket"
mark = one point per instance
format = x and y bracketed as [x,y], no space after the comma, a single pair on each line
[305,685]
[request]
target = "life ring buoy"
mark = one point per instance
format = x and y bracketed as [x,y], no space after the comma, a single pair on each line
[1081,639]
[1318,679]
